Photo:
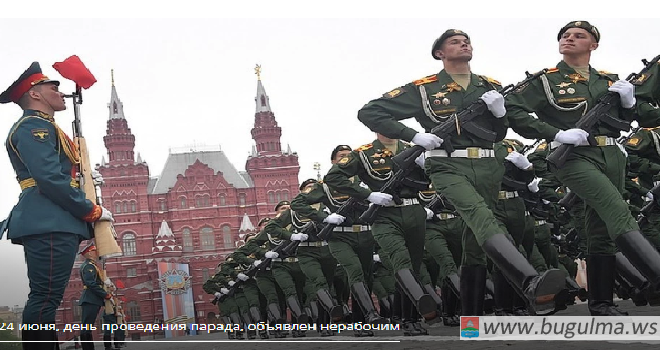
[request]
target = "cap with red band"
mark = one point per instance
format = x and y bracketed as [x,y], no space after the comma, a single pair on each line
[31,77]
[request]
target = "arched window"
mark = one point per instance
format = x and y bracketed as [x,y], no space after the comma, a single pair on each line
[271,197]
[187,240]
[223,199]
[207,239]
[133,311]
[129,246]
[241,199]
[117,207]
[163,207]
[133,207]
[227,238]
[183,204]
[125,207]
[205,274]
[285,195]
[207,200]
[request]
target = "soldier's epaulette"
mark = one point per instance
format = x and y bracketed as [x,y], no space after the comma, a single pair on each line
[633,141]
[542,146]
[552,70]
[605,72]
[641,79]
[426,80]
[491,80]
[364,147]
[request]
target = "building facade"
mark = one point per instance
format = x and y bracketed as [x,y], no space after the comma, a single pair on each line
[194,212]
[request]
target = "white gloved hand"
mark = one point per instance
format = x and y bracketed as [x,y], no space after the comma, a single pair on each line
[97,178]
[334,219]
[577,137]
[649,195]
[108,282]
[224,290]
[243,277]
[420,160]
[545,201]
[519,160]
[534,184]
[376,258]
[626,92]
[495,103]
[106,215]
[256,263]
[380,198]
[429,213]
[271,255]
[427,140]
[299,237]
[231,283]
[218,295]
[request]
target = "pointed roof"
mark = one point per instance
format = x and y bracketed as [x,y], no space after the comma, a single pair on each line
[164,233]
[263,104]
[165,239]
[246,224]
[139,159]
[102,160]
[115,106]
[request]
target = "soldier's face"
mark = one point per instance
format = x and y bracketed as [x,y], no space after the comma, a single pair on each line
[50,94]
[456,48]
[340,155]
[283,208]
[576,41]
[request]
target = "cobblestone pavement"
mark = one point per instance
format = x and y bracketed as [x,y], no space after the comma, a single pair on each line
[440,337]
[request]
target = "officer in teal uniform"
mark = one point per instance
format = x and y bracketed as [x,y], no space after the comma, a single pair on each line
[52,216]
[93,296]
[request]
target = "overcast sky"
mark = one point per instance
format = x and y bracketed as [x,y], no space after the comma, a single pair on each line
[192,81]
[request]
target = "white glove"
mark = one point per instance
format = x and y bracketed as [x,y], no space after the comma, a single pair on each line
[380,198]
[271,255]
[495,103]
[243,277]
[224,290]
[420,160]
[534,185]
[429,213]
[256,263]
[97,178]
[426,140]
[299,237]
[231,283]
[106,215]
[334,219]
[545,201]
[649,195]
[218,294]
[108,282]
[519,160]
[376,258]
[626,92]
[577,137]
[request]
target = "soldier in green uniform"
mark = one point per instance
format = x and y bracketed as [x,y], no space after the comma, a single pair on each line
[286,269]
[351,242]
[595,173]
[383,287]
[647,92]
[468,177]
[52,216]
[398,229]
[94,294]
[218,285]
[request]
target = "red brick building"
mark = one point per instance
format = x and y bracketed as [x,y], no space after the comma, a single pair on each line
[195,211]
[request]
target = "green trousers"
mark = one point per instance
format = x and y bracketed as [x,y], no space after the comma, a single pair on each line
[400,233]
[290,278]
[318,266]
[443,242]
[597,175]
[354,253]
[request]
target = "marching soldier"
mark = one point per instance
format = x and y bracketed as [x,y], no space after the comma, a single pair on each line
[595,173]
[399,229]
[470,176]
[94,294]
[52,216]
[218,285]
[647,92]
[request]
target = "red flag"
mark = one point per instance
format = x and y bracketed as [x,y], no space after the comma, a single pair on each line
[73,69]
[119,284]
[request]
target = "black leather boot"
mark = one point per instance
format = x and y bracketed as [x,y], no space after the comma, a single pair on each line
[411,287]
[397,315]
[236,320]
[600,280]
[362,299]
[358,316]
[489,297]
[503,298]
[84,339]
[449,301]
[255,314]
[574,290]
[411,325]
[438,301]
[453,281]
[473,289]
[107,341]
[643,255]
[251,333]
[227,321]
[330,305]
[384,307]
[297,311]
[545,293]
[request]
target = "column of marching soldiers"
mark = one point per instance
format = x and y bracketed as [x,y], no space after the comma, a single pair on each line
[393,235]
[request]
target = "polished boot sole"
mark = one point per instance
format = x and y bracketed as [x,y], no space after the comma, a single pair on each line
[547,297]
[427,307]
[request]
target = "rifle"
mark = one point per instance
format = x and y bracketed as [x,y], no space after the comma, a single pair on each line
[645,212]
[405,163]
[344,210]
[464,118]
[104,233]
[623,139]
[527,148]
[599,113]
[282,249]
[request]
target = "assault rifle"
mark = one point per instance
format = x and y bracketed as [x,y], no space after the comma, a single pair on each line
[599,113]
[282,249]
[404,162]
[645,212]
[463,120]
[344,210]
